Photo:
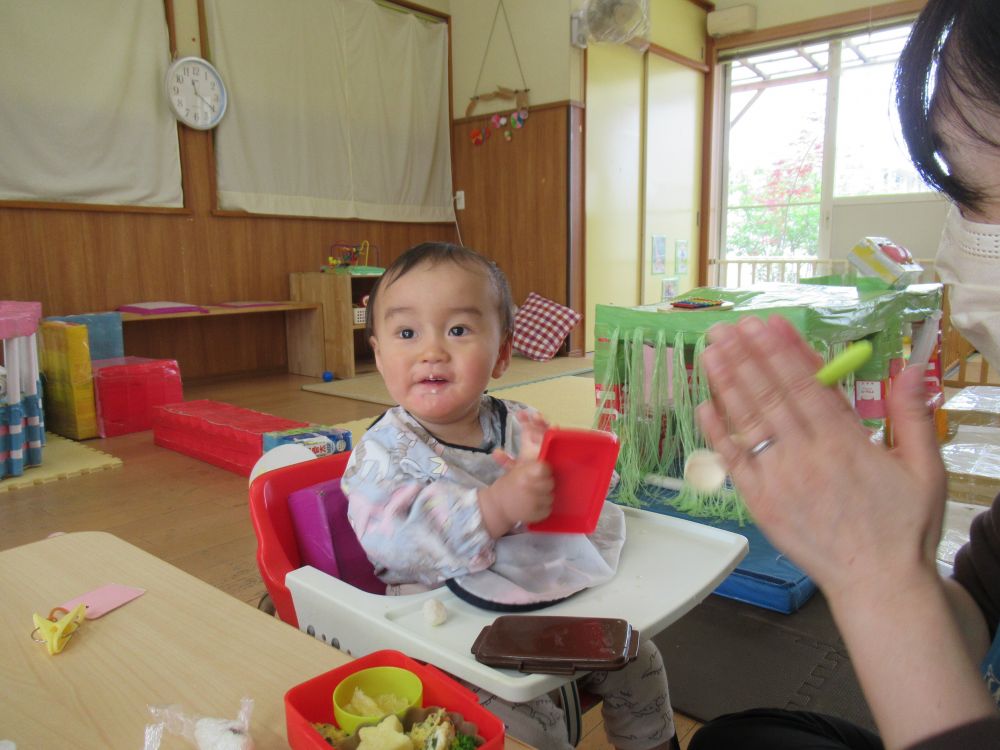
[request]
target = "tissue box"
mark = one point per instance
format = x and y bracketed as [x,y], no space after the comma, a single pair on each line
[882,258]
[320,439]
[972,460]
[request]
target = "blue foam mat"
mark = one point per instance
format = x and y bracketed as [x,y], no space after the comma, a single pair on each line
[764,578]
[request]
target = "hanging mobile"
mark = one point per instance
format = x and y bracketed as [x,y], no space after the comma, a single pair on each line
[499,121]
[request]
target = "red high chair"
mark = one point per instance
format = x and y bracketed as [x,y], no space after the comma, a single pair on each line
[278,554]
[277,550]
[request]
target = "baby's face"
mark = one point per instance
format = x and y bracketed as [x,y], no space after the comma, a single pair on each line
[438,342]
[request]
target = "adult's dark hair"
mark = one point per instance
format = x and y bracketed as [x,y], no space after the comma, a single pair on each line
[958,43]
[435,253]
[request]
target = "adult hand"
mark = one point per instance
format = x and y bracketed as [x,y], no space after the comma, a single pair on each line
[861,519]
[840,506]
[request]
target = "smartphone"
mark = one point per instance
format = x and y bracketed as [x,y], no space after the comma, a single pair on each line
[547,644]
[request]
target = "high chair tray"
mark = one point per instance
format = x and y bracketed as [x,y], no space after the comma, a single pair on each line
[667,566]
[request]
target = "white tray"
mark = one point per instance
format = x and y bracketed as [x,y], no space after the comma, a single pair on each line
[667,566]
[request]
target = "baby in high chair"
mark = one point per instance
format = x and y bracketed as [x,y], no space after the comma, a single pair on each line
[439,480]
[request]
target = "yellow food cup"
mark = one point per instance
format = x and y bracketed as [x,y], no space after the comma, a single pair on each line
[374,682]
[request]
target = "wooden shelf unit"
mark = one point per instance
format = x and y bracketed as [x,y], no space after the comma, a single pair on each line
[336,293]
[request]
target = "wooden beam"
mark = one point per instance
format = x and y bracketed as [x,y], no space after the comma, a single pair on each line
[687,62]
[813,26]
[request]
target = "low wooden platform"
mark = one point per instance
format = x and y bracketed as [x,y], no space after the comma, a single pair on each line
[229,339]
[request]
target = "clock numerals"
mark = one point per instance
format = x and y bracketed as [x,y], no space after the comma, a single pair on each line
[196,93]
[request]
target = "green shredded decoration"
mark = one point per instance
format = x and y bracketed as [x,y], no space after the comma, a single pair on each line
[652,408]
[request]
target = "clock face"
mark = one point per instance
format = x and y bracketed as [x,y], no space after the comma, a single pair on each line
[196,93]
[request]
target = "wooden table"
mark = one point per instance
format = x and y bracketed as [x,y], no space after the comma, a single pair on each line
[181,642]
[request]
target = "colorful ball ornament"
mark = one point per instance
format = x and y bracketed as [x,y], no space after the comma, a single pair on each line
[477,137]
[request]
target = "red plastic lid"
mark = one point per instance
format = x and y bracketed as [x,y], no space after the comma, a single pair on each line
[582,463]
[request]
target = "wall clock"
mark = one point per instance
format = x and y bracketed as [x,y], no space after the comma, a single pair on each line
[196,92]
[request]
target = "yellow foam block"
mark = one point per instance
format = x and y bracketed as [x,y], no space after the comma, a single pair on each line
[69,384]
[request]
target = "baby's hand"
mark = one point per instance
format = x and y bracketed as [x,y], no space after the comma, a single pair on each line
[533,427]
[522,495]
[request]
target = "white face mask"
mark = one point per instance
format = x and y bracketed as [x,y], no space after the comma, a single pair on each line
[968,260]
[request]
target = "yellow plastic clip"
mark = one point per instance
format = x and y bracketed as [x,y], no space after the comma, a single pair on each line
[55,633]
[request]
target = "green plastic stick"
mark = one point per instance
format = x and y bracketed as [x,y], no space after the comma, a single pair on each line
[845,363]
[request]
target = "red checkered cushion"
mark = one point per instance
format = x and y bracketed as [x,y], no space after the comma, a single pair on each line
[541,326]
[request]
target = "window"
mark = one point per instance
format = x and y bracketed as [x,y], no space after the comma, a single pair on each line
[806,124]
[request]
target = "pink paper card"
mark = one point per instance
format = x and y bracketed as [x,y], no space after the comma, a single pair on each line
[102,600]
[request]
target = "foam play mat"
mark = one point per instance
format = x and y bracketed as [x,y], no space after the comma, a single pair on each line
[369,387]
[763,658]
[61,459]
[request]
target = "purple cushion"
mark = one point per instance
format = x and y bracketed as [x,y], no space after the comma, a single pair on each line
[326,539]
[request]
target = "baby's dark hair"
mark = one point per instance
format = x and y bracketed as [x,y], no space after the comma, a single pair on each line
[958,39]
[432,254]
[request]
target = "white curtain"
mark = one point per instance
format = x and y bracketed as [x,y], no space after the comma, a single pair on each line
[83,117]
[338,108]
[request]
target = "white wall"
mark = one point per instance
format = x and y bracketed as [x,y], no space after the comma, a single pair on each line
[540,29]
[913,221]
[779,12]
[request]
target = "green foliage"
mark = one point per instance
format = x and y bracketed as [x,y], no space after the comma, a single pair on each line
[775,212]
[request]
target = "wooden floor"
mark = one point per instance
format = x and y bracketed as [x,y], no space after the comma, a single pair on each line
[187,512]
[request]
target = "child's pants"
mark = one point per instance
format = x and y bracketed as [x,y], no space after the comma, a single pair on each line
[637,712]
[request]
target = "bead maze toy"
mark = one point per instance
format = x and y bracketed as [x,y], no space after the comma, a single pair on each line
[352,259]
[648,378]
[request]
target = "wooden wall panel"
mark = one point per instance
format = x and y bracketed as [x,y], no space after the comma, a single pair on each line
[518,200]
[77,261]
[577,227]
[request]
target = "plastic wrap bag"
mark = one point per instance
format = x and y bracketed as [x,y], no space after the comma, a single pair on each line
[972,459]
[975,405]
[202,732]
